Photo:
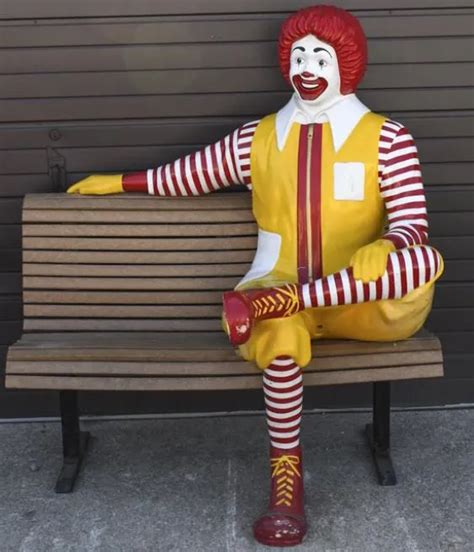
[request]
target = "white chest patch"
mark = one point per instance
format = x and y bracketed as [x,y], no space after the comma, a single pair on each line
[349,181]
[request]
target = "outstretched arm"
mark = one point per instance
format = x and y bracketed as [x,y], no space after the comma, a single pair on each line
[223,164]
[401,188]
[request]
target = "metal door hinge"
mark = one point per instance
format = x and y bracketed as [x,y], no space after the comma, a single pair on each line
[57,170]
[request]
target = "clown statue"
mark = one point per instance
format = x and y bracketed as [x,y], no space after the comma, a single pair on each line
[340,207]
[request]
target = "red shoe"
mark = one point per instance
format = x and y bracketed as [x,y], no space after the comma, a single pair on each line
[285,523]
[237,317]
[243,308]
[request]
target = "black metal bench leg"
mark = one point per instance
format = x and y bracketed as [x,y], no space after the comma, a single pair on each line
[74,442]
[378,434]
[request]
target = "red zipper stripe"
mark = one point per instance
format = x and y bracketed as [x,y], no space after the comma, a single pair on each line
[302,253]
[315,200]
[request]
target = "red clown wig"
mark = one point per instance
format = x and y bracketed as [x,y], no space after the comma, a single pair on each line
[334,26]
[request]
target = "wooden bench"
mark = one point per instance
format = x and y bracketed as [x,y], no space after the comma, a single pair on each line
[124,293]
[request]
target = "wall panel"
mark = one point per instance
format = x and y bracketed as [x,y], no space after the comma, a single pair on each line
[121,85]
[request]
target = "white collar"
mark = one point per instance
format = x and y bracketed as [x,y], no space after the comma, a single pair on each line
[342,116]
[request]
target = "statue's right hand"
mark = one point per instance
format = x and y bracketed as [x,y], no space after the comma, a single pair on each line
[98,184]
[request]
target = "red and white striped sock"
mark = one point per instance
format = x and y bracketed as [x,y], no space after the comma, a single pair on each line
[283,389]
[407,269]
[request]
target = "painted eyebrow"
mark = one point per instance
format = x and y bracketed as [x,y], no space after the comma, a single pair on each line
[316,50]
[299,48]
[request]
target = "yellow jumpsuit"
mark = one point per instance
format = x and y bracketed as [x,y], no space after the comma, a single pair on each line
[345,226]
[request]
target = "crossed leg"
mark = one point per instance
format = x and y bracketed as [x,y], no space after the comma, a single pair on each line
[407,269]
[284,523]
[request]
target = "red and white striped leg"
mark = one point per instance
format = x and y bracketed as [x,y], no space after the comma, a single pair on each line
[284,523]
[407,269]
[283,389]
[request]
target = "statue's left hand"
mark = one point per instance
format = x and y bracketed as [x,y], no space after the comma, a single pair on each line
[370,262]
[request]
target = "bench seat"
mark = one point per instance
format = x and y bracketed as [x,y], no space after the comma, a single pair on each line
[200,361]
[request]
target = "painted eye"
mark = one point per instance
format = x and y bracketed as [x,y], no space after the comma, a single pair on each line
[322,63]
[299,60]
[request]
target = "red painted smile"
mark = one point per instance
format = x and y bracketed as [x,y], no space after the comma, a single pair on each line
[309,87]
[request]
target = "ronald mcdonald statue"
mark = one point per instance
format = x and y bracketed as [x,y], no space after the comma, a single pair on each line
[342,244]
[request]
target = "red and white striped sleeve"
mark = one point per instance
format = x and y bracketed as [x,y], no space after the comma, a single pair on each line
[401,187]
[217,166]
[244,143]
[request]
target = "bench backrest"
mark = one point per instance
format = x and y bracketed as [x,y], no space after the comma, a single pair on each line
[136,263]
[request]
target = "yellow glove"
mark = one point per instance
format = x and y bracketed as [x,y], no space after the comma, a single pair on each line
[370,262]
[98,184]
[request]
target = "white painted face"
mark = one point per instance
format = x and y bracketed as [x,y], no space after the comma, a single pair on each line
[314,71]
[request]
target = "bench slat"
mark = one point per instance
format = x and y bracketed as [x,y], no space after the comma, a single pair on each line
[217,382]
[123,311]
[239,200]
[44,282]
[142,271]
[129,257]
[117,324]
[136,217]
[124,297]
[194,368]
[142,244]
[141,230]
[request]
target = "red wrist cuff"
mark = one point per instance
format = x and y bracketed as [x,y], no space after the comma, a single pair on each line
[135,182]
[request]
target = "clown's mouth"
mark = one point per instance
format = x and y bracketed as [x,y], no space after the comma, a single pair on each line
[309,88]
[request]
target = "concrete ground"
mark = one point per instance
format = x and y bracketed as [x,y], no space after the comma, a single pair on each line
[197,484]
